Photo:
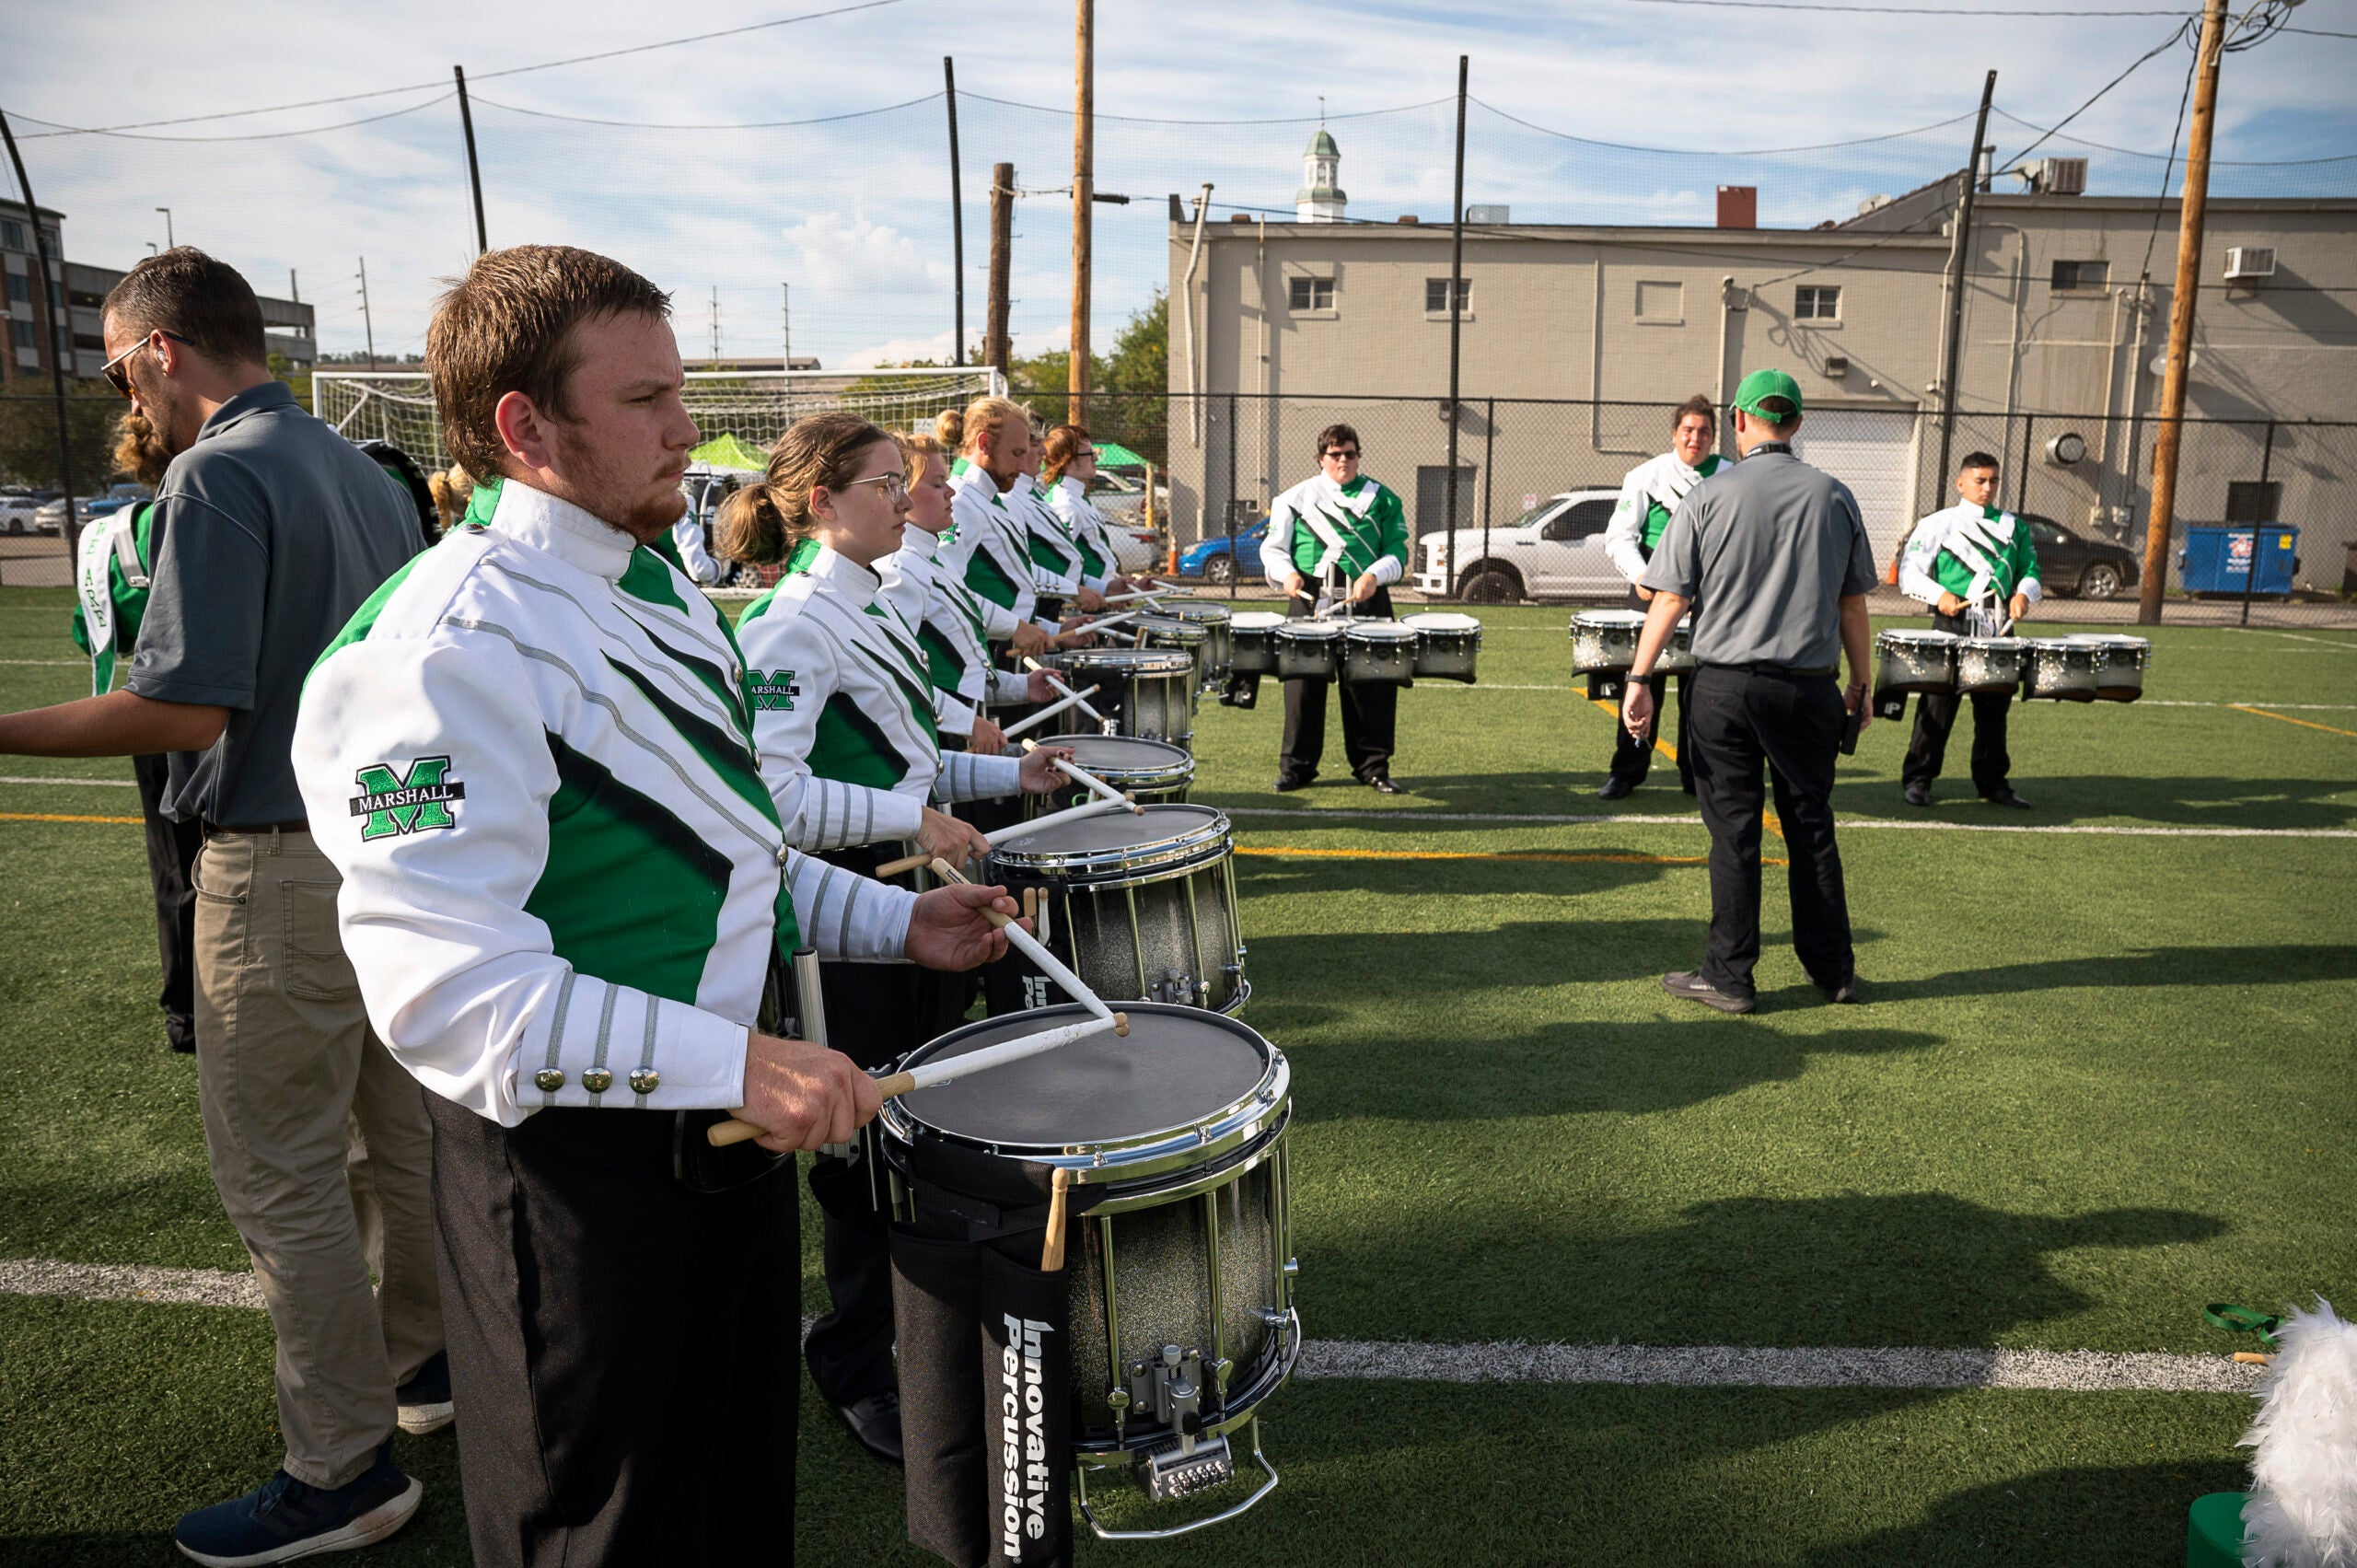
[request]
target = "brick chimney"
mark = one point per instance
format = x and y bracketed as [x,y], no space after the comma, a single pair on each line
[1738,206]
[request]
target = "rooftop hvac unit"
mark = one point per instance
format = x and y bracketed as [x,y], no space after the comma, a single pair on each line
[2058,177]
[1494,215]
[2248,263]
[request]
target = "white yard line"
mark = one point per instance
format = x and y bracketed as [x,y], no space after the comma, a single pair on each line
[1693,1367]
[1669,822]
[2303,637]
[102,783]
[75,663]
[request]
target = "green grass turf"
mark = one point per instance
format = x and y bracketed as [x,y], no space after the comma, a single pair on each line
[2100,1080]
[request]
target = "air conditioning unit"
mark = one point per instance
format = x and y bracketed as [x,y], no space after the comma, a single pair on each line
[2248,263]
[2057,176]
[1490,214]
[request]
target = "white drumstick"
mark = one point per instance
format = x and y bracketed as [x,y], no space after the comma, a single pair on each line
[1127,598]
[1099,625]
[1015,830]
[1050,711]
[1029,946]
[1030,663]
[1082,775]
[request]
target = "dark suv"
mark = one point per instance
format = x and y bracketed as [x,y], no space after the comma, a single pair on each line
[2078,567]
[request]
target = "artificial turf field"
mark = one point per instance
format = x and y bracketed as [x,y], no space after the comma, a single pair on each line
[2101,1079]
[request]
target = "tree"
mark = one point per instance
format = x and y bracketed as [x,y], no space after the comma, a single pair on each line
[1130,398]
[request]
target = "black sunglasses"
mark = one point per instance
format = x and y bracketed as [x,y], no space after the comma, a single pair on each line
[1342,451]
[118,375]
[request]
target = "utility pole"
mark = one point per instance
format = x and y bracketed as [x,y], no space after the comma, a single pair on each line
[368,322]
[2193,211]
[474,169]
[293,291]
[169,243]
[715,326]
[994,349]
[70,533]
[1456,293]
[785,326]
[957,214]
[1083,162]
[1959,251]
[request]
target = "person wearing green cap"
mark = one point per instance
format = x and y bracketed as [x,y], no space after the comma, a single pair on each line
[1773,559]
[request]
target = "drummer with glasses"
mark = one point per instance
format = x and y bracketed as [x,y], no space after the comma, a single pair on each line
[1975,567]
[1336,542]
[1649,495]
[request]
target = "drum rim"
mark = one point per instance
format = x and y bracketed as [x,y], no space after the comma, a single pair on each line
[1178,770]
[1903,636]
[1600,619]
[1173,623]
[1256,621]
[1203,614]
[1455,624]
[1205,843]
[1379,632]
[1132,661]
[1196,1141]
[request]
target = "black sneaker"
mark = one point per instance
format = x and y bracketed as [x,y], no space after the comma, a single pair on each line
[282,1518]
[2007,798]
[1287,784]
[1917,794]
[1614,787]
[1381,784]
[424,1399]
[1692,987]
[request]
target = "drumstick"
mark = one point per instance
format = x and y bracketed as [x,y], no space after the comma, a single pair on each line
[1015,830]
[1050,711]
[931,1074]
[1129,598]
[1082,775]
[1101,625]
[1053,966]
[1077,697]
[1051,1253]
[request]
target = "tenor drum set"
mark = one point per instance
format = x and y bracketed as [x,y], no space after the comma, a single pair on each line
[1371,651]
[1603,648]
[2086,668]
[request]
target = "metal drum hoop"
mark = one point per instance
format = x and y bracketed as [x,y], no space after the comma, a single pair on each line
[1173,854]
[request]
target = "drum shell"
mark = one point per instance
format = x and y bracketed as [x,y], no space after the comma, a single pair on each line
[2057,670]
[1147,692]
[1987,665]
[1378,656]
[1254,645]
[2119,667]
[1152,780]
[1445,650]
[1915,661]
[1219,639]
[1605,642]
[1309,651]
[1676,656]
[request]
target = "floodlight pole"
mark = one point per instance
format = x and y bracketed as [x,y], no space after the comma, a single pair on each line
[71,531]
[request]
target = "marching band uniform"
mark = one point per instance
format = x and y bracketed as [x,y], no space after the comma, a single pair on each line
[565,888]
[988,548]
[1068,498]
[1984,556]
[952,624]
[1334,535]
[1649,495]
[1054,554]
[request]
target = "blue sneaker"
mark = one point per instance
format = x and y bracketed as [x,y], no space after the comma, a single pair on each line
[283,1519]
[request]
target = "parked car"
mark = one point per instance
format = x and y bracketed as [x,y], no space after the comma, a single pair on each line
[2076,566]
[1553,550]
[1211,560]
[18,510]
[1136,548]
[51,517]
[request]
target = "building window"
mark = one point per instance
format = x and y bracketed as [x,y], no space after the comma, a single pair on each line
[49,238]
[2082,274]
[21,289]
[1436,295]
[89,340]
[1664,302]
[12,235]
[23,332]
[1816,302]
[1311,294]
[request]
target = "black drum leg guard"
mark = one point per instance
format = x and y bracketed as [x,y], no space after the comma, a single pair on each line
[1026,1412]
[936,1296]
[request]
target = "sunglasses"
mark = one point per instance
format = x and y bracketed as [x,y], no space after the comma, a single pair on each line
[117,374]
[1350,452]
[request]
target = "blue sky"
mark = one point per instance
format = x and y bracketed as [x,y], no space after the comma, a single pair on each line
[854,213]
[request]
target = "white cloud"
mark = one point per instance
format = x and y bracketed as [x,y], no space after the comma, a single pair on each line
[898,351]
[852,255]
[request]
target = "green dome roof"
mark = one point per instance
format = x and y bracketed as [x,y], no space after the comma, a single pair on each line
[1322,145]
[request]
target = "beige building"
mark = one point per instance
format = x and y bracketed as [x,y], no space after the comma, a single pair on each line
[1306,322]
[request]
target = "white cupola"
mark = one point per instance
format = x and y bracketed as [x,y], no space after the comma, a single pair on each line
[1319,200]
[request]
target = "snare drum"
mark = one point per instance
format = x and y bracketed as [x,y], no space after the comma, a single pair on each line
[2119,666]
[1676,656]
[1154,771]
[1604,642]
[1170,632]
[1447,646]
[1915,661]
[1219,642]
[1139,905]
[1254,650]
[1148,693]
[1309,650]
[1990,664]
[2060,670]
[1178,1239]
[1379,653]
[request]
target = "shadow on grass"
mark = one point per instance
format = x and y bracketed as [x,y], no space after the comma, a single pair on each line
[2052,1516]
[2279,964]
[1599,868]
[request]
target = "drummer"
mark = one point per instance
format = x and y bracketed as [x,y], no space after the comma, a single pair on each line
[1649,494]
[1069,463]
[1058,566]
[1976,568]
[988,545]
[843,721]
[1336,542]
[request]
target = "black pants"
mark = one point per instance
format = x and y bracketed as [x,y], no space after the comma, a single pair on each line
[171,864]
[1935,716]
[1792,725]
[620,1344]
[1370,715]
[1633,759]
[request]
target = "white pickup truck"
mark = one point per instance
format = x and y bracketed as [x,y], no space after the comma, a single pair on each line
[1553,550]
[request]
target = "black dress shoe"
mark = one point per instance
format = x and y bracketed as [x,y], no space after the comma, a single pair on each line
[1692,987]
[1614,788]
[875,1423]
[1846,993]
[1917,795]
[1288,785]
[1381,784]
[2007,798]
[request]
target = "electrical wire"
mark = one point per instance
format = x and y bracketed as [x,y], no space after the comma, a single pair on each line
[444,96]
[481,102]
[2214,163]
[2169,42]
[2160,204]
[1721,151]
[2046,13]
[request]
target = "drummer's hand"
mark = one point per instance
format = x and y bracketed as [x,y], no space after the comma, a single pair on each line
[803,1094]
[1079,636]
[1090,600]
[1637,707]
[1295,584]
[1030,639]
[988,739]
[947,930]
[1039,775]
[1363,590]
[1040,690]
[1951,605]
[956,843]
[2019,608]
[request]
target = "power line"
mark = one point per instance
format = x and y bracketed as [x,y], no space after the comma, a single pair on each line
[1721,151]
[249,136]
[2166,43]
[2214,163]
[483,102]
[2043,12]
[1279,120]
[2160,204]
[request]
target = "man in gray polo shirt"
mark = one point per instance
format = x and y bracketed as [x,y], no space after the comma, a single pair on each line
[275,530]
[1773,558]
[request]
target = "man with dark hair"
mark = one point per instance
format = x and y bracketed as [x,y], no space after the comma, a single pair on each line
[1772,556]
[1649,494]
[1348,535]
[1976,568]
[274,530]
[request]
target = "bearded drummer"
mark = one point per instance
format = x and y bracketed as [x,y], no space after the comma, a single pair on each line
[1337,540]
[1976,568]
[1649,494]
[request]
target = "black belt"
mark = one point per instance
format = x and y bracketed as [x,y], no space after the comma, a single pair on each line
[222,830]
[1784,671]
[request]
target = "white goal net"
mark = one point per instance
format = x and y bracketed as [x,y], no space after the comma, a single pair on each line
[753,406]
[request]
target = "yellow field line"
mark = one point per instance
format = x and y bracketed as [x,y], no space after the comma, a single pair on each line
[1548,856]
[2304,724]
[52,817]
[1767,816]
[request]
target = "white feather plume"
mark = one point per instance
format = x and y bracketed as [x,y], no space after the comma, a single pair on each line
[2303,1507]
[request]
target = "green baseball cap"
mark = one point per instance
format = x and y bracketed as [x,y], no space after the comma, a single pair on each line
[1762,385]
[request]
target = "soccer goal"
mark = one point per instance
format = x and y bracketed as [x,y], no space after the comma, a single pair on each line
[752,406]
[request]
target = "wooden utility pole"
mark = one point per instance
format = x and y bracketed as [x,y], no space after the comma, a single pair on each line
[957,214]
[994,350]
[1084,181]
[2193,210]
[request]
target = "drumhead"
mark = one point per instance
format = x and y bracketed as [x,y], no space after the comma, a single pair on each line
[1127,756]
[1256,621]
[1901,639]
[1309,631]
[1379,632]
[1438,620]
[1121,841]
[1609,619]
[1126,661]
[1177,1068]
[1172,627]
[1206,614]
[1998,644]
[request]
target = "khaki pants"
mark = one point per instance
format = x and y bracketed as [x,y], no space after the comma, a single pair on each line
[320,1146]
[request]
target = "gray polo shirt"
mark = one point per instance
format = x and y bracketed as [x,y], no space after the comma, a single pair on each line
[1766,550]
[274,529]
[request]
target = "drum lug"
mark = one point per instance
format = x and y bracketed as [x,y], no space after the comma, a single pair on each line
[1118,1397]
[1293,1267]
[1222,1370]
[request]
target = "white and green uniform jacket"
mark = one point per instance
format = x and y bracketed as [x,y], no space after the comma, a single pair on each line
[1981,554]
[1649,495]
[1318,526]
[842,709]
[1054,553]
[988,547]
[1068,498]
[529,757]
[110,582]
[952,628]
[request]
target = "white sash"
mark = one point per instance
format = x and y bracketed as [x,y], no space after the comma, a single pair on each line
[93,579]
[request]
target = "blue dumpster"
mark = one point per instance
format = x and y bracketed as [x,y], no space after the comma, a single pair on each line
[2216,558]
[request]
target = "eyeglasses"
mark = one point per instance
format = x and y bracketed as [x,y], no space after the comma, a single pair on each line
[896,483]
[1349,453]
[119,376]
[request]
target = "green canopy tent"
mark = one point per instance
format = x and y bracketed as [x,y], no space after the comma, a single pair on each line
[724,451]
[1113,455]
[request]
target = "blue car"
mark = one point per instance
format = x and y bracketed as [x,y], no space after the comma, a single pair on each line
[1211,560]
